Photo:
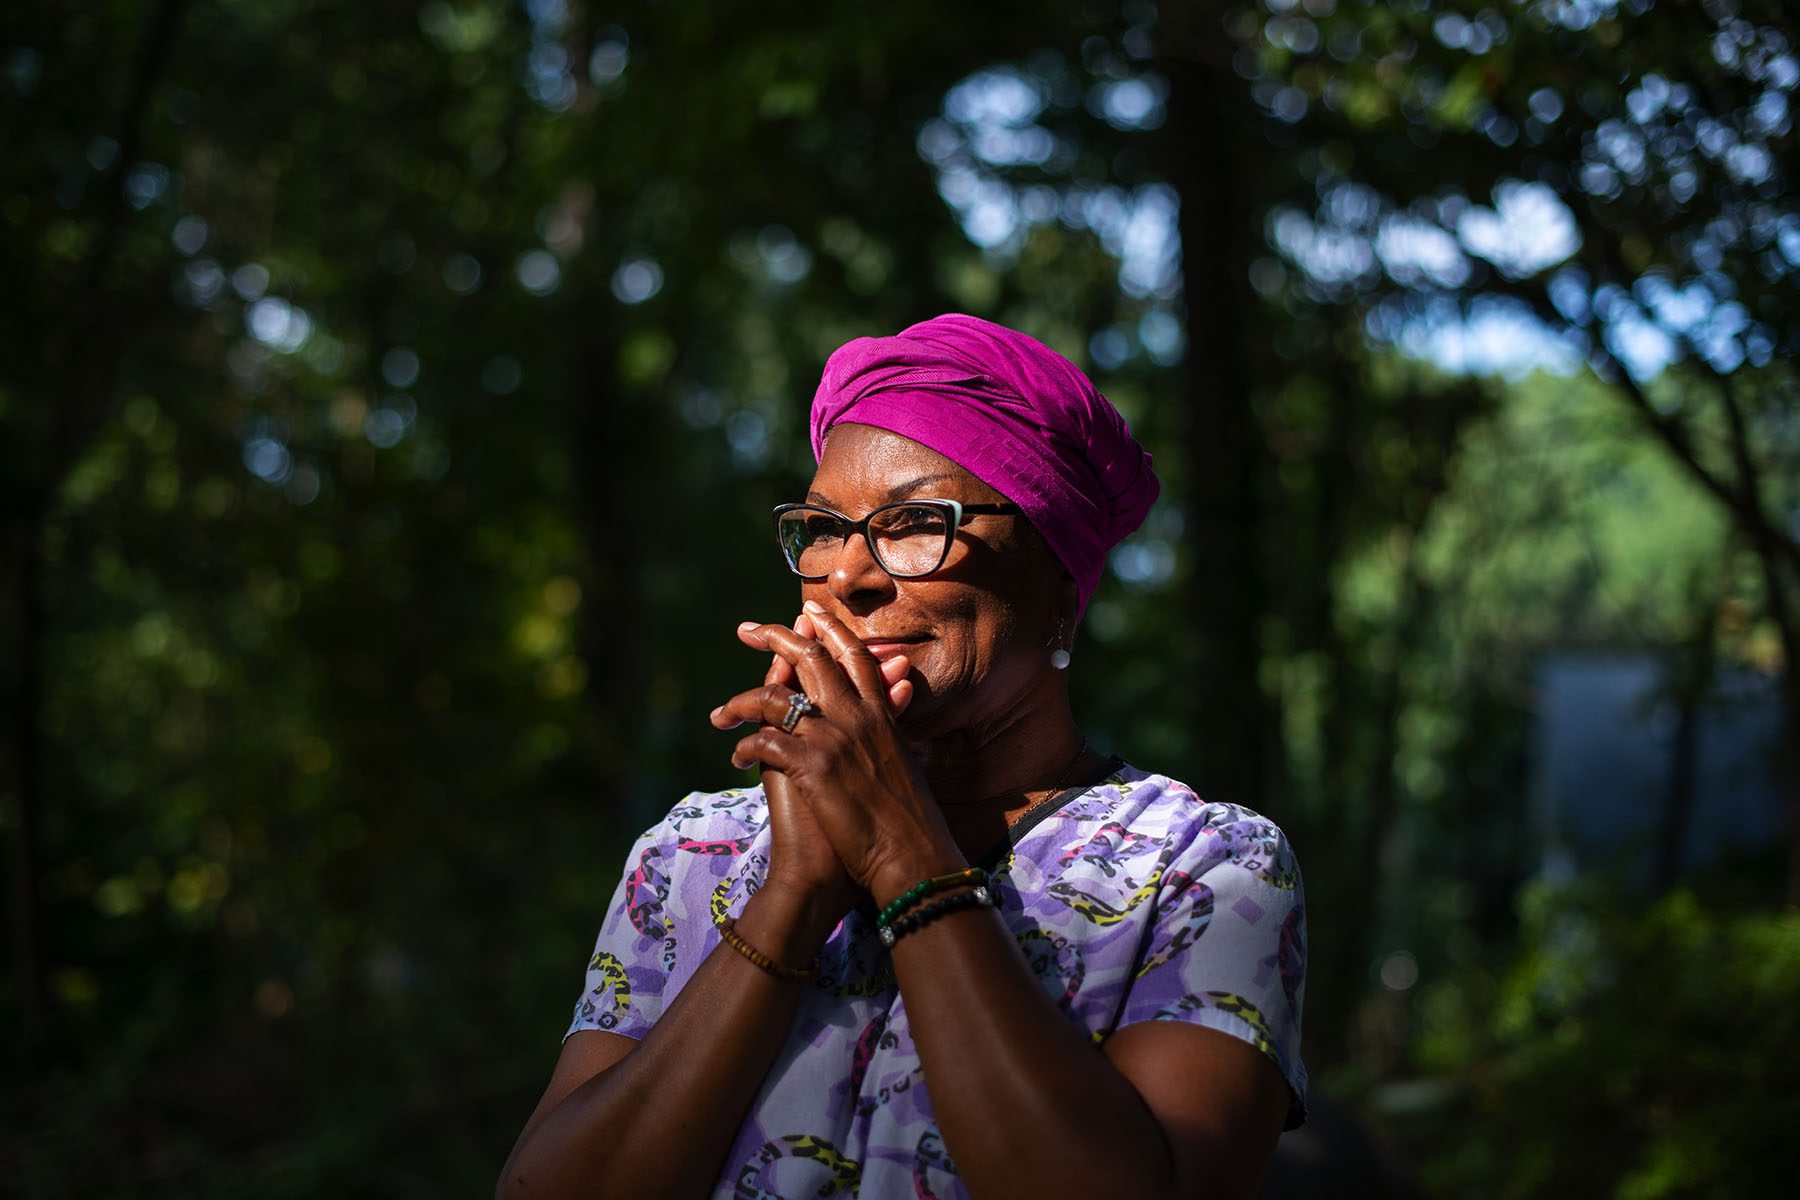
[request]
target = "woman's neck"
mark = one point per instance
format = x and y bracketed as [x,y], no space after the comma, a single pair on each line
[1010,763]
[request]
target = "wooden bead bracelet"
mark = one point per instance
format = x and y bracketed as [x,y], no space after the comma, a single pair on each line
[731,937]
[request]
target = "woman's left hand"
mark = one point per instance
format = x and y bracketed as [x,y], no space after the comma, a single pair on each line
[847,763]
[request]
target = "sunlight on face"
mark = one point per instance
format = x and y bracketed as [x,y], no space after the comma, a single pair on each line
[978,630]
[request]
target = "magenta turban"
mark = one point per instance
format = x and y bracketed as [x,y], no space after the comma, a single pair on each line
[1012,412]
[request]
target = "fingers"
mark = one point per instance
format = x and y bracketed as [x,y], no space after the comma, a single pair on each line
[768,747]
[815,665]
[780,669]
[768,703]
[847,649]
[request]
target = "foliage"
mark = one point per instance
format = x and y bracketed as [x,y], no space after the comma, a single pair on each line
[393,398]
[1626,1055]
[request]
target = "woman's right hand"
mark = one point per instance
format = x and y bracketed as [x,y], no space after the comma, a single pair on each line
[801,859]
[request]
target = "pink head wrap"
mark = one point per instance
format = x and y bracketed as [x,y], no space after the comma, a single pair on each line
[1012,412]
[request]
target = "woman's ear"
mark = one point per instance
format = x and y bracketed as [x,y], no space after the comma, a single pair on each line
[1064,611]
[1068,601]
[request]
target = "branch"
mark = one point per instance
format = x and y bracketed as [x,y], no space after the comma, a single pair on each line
[1744,499]
[90,353]
[1741,497]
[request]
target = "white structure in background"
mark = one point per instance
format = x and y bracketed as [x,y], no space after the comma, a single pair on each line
[1611,773]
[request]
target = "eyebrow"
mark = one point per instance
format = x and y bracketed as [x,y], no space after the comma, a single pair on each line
[896,492]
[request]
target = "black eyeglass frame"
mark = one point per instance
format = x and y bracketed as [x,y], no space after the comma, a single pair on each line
[955,510]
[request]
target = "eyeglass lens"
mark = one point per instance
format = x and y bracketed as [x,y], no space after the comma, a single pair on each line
[909,539]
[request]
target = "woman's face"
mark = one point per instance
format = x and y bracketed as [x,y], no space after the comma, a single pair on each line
[979,630]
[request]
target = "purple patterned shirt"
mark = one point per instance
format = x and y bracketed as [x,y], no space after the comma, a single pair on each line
[1131,899]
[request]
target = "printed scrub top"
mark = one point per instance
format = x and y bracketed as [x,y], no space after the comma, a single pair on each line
[1131,899]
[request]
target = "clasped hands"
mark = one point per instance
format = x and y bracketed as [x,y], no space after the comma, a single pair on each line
[849,811]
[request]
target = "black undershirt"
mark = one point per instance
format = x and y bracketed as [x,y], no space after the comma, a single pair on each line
[1034,816]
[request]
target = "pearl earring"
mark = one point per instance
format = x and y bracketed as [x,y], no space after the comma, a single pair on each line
[1059,657]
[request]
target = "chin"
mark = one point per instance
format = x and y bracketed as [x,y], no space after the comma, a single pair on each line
[933,711]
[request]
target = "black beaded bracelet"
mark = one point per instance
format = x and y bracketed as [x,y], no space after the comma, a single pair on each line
[901,926]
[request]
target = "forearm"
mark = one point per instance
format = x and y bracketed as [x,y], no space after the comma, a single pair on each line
[660,1121]
[1010,1074]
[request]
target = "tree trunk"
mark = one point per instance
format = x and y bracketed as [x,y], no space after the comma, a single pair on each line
[24,553]
[608,451]
[1209,133]
[1691,677]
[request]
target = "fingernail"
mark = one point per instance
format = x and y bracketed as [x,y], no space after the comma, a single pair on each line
[743,625]
[715,712]
[813,606]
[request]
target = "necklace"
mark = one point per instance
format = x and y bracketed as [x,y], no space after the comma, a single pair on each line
[1056,788]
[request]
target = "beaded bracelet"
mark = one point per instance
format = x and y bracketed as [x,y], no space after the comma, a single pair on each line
[979,898]
[731,937]
[923,888]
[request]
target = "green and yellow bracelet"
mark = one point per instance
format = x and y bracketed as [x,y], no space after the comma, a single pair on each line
[918,918]
[967,877]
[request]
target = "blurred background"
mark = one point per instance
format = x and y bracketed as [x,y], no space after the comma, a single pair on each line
[392,397]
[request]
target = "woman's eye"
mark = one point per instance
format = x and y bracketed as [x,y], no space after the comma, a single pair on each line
[910,521]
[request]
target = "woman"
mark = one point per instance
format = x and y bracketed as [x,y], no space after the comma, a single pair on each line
[802,989]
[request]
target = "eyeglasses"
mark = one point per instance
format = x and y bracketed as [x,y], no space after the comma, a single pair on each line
[907,540]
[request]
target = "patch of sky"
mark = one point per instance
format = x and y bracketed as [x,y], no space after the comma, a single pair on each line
[250,281]
[462,273]
[1162,337]
[1568,290]
[637,280]
[1475,36]
[702,407]
[1488,336]
[1420,254]
[747,433]
[772,254]
[1001,97]
[548,75]
[275,323]
[303,484]
[1133,104]
[610,56]
[1110,348]
[400,367]
[1642,346]
[205,281]
[145,184]
[1145,561]
[268,459]
[988,128]
[1526,231]
[389,421]
[1769,115]
[1576,14]
[538,272]
[101,152]
[784,259]
[189,235]
[1330,256]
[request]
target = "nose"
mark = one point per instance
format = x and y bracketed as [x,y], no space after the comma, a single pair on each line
[857,580]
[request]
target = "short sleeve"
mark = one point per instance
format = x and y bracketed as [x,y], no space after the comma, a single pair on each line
[1227,945]
[623,991]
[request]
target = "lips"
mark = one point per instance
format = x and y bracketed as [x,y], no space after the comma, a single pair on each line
[888,647]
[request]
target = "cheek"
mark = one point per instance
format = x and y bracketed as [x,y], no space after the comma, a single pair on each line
[987,642]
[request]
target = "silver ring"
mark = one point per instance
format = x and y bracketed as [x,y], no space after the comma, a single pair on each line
[799,705]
